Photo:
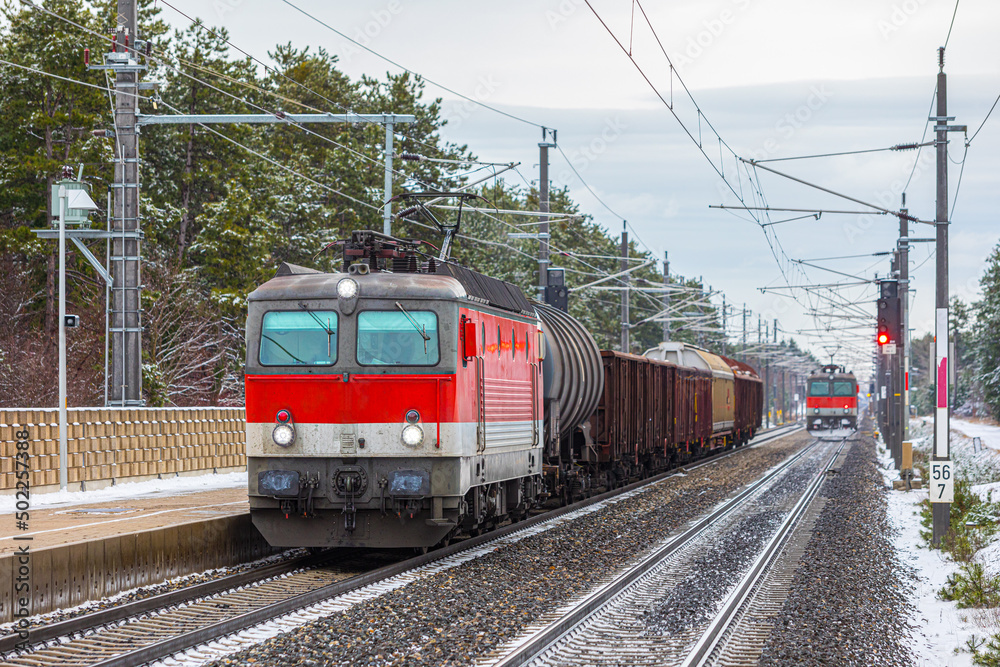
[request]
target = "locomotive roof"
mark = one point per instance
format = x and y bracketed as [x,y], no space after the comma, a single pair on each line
[450,282]
[318,285]
[826,375]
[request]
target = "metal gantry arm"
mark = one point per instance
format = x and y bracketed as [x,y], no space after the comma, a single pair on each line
[613,276]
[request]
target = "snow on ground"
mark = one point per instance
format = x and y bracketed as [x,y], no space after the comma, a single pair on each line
[171,486]
[988,432]
[941,627]
[977,466]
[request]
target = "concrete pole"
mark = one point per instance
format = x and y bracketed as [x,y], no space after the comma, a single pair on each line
[743,340]
[666,295]
[904,339]
[387,192]
[63,473]
[625,290]
[543,207]
[723,325]
[767,379]
[941,512]
[126,326]
[784,395]
[701,334]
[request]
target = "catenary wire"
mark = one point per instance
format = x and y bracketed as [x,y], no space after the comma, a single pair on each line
[233,141]
[952,25]
[284,76]
[985,119]
[405,69]
[163,60]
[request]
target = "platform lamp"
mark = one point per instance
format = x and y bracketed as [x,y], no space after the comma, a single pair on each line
[73,202]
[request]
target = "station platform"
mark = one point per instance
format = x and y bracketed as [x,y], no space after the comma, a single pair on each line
[67,518]
[91,544]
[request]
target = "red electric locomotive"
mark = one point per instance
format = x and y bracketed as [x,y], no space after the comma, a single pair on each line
[390,407]
[406,400]
[832,398]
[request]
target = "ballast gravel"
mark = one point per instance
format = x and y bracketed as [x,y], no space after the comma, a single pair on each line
[693,602]
[151,590]
[848,602]
[458,615]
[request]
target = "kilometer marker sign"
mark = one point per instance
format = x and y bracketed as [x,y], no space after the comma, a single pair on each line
[942,486]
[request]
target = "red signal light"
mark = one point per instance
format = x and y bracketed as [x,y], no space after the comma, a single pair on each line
[883,338]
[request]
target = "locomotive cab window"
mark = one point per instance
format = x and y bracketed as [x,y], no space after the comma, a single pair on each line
[397,338]
[843,389]
[819,389]
[299,337]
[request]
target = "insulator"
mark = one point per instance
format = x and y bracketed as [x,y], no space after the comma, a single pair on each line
[905,147]
[412,157]
[407,211]
[86,57]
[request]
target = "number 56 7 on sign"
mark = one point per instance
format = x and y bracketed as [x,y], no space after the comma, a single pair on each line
[942,486]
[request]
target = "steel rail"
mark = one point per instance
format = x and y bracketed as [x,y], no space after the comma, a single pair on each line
[230,626]
[595,601]
[80,624]
[711,641]
[40,637]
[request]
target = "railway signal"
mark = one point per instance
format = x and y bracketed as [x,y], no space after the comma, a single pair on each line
[889,336]
[889,333]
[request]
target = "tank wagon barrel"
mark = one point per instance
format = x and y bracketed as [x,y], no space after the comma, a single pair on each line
[573,374]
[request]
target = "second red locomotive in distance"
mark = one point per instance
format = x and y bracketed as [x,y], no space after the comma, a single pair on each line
[831,398]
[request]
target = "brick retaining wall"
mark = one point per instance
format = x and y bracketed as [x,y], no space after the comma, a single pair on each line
[110,444]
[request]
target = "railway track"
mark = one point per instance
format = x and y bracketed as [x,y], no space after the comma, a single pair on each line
[158,627]
[658,611]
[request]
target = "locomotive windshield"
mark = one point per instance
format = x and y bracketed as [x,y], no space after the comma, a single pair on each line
[397,338]
[292,338]
[819,388]
[843,389]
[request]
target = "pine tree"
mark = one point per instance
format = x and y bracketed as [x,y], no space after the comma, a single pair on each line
[988,339]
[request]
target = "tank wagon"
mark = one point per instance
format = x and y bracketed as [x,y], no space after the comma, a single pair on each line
[733,407]
[405,400]
[832,398]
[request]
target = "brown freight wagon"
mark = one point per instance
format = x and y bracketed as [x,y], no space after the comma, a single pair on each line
[651,415]
[692,410]
[631,427]
[749,401]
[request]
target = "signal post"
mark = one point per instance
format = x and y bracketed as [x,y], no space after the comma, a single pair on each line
[889,339]
[942,481]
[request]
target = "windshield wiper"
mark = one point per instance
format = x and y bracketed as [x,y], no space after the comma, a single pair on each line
[330,333]
[283,349]
[421,331]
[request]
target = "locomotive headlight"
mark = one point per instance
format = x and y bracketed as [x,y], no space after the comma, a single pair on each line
[846,409]
[412,435]
[283,435]
[817,410]
[347,288]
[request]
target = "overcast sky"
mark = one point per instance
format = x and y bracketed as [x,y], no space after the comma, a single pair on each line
[775,78]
